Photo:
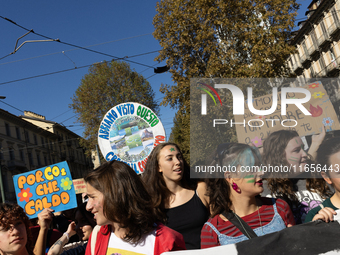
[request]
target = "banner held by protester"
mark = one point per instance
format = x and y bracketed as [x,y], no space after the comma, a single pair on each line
[47,187]
[128,133]
[257,128]
[79,185]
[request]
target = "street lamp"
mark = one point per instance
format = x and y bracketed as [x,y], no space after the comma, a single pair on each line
[2,97]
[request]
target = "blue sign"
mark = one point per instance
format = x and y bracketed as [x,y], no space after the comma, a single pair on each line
[47,187]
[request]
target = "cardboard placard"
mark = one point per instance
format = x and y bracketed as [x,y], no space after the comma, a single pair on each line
[47,187]
[258,128]
[79,186]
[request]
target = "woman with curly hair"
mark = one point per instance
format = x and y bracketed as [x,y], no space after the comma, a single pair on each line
[15,236]
[123,209]
[284,148]
[238,213]
[174,195]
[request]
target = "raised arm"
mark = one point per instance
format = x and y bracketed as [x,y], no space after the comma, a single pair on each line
[316,141]
[57,247]
[45,219]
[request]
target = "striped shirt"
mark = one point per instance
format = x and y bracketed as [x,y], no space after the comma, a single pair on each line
[266,212]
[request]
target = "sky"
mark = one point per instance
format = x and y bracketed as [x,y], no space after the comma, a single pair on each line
[112,28]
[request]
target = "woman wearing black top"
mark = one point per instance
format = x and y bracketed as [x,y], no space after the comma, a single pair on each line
[181,201]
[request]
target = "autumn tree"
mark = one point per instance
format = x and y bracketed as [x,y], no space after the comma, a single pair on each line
[220,38]
[106,85]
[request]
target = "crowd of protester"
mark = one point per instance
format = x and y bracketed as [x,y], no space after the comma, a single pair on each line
[164,210]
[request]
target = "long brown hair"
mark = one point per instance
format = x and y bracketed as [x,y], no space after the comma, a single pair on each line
[274,154]
[126,200]
[9,214]
[154,181]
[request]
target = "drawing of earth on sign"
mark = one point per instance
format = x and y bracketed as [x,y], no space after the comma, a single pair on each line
[131,138]
[128,133]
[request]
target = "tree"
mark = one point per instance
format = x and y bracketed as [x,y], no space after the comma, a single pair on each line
[105,86]
[220,38]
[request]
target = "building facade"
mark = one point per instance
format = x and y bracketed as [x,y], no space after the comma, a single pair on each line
[317,42]
[30,142]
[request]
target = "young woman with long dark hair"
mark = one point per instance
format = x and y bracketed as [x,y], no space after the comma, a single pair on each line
[181,201]
[285,148]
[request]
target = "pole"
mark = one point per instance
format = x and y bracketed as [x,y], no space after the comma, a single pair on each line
[2,186]
[98,154]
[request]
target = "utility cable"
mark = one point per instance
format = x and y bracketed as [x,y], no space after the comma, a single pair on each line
[73,45]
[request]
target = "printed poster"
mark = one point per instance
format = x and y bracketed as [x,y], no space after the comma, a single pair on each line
[128,133]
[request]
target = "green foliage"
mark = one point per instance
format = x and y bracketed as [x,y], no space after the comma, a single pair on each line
[105,86]
[220,38]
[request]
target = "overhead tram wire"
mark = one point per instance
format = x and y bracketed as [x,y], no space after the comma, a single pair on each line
[85,47]
[70,69]
[73,45]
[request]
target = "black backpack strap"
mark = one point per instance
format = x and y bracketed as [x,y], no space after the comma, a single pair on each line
[240,224]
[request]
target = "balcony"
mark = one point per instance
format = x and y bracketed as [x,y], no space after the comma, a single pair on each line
[333,28]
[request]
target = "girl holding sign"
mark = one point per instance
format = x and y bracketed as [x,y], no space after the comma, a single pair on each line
[238,212]
[123,209]
[284,148]
[174,195]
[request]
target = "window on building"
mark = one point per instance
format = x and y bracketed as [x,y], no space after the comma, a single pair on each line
[312,71]
[323,28]
[291,62]
[35,139]
[45,160]
[17,130]
[30,158]
[331,52]
[335,15]
[322,63]
[22,155]
[8,130]
[11,154]
[27,136]
[38,159]
[304,47]
[42,142]
[313,36]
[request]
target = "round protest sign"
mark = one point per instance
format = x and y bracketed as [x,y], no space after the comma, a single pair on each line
[128,133]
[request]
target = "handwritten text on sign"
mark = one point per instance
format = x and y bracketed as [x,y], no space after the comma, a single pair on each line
[259,127]
[48,187]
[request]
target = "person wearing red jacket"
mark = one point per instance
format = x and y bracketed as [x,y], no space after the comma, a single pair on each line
[123,209]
